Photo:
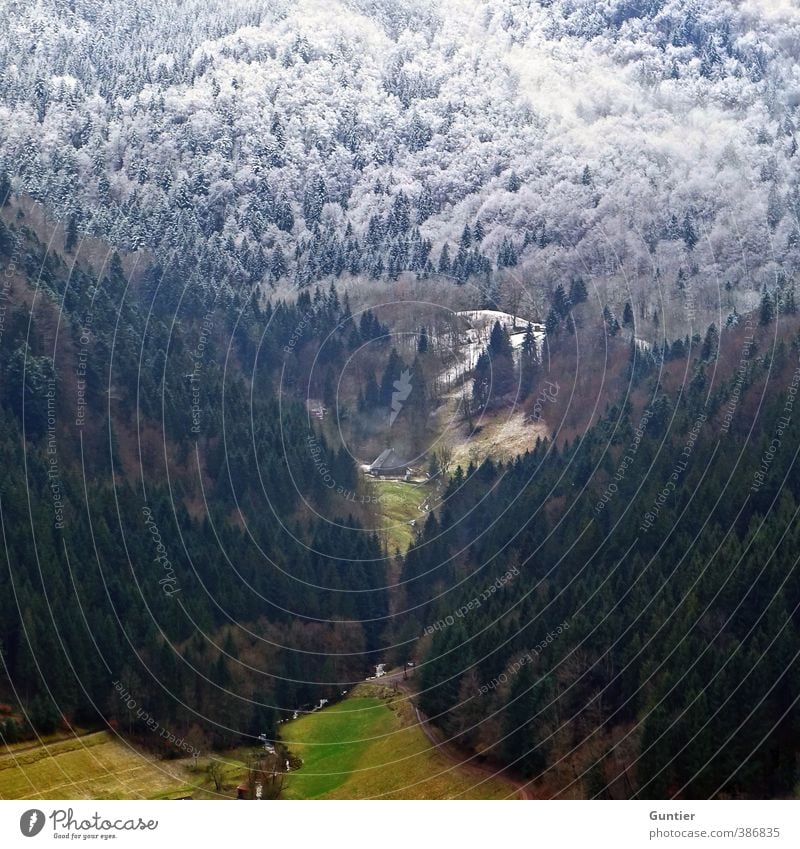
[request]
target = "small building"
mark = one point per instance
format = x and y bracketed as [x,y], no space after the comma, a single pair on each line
[388,464]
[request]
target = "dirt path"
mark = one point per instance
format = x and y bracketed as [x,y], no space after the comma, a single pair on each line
[452,751]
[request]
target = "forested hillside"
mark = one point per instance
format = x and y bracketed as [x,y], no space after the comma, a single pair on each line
[149,535]
[617,616]
[460,338]
[648,145]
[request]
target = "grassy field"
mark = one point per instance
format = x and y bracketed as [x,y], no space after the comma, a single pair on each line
[399,505]
[501,435]
[367,746]
[101,766]
[370,746]
[91,766]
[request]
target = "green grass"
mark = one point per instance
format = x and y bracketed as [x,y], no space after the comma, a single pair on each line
[332,743]
[398,506]
[369,746]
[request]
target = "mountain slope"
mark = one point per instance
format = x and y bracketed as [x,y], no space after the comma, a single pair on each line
[627,142]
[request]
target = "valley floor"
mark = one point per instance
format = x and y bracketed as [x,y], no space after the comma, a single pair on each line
[97,765]
[372,746]
[101,765]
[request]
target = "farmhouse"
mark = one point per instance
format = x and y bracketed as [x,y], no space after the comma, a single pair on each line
[388,464]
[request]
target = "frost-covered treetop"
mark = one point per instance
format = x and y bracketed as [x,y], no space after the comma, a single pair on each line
[629,140]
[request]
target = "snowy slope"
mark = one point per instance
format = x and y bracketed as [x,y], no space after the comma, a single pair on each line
[622,141]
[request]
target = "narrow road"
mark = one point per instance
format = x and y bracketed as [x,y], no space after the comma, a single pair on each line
[450,750]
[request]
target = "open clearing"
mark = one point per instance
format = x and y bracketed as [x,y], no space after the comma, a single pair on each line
[367,746]
[400,503]
[501,436]
[100,765]
[91,766]
[370,746]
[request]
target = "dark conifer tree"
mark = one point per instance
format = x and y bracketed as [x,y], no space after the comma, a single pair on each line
[71,236]
[561,303]
[444,260]
[767,308]
[627,315]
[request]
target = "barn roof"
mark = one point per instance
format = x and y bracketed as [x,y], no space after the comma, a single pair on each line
[388,459]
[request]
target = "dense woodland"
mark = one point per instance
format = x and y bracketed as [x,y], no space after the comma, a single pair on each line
[255,609]
[649,145]
[656,623]
[644,611]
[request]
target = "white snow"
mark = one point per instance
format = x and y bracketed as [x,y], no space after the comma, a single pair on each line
[476,338]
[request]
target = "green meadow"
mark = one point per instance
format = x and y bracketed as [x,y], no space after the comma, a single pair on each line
[399,505]
[370,746]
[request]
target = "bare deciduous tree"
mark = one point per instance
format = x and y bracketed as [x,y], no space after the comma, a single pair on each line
[214,770]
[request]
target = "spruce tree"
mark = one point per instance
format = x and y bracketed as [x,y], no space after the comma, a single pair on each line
[627,315]
[5,188]
[561,303]
[577,291]
[444,260]
[767,309]
[71,236]
[552,322]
